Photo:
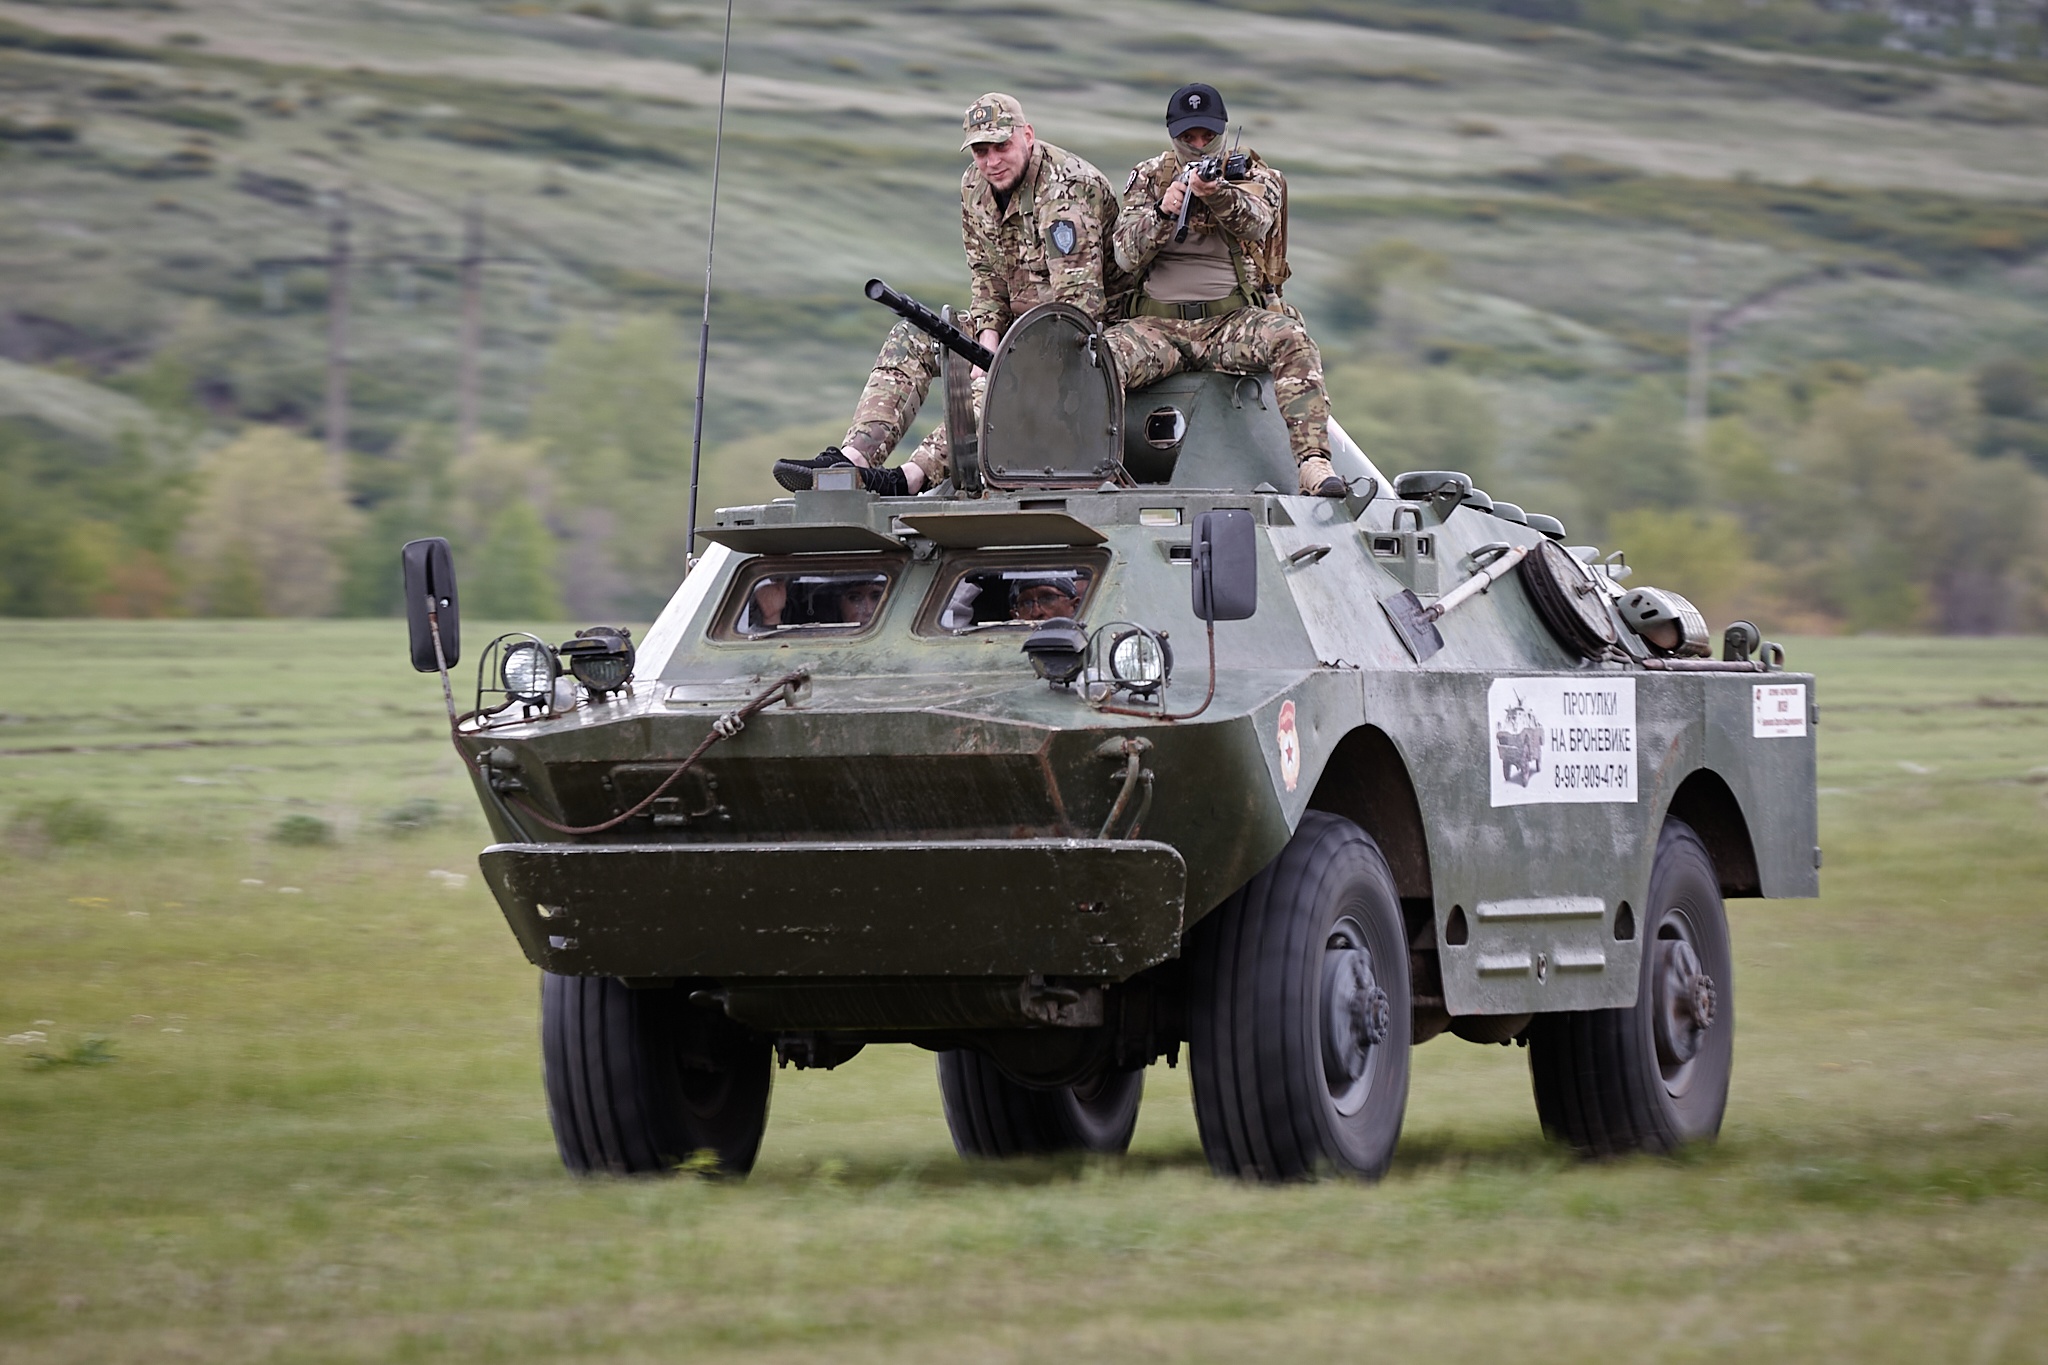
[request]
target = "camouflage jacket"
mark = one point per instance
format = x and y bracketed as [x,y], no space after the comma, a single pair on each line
[1250,214]
[1051,242]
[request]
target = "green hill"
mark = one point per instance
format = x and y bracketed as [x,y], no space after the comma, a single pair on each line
[1577,180]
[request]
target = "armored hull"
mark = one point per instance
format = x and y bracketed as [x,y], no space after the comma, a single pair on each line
[925,807]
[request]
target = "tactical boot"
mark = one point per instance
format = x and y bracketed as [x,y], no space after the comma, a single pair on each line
[797,475]
[1318,477]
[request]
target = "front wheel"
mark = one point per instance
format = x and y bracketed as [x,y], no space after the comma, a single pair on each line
[1299,1015]
[641,1081]
[1653,1077]
[991,1115]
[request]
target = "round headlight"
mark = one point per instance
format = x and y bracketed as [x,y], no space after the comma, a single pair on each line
[1138,662]
[529,672]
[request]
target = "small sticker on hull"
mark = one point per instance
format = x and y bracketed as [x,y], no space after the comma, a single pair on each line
[1290,746]
[1561,740]
[1780,711]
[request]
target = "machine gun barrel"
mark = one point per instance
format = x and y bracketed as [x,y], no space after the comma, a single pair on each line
[931,324]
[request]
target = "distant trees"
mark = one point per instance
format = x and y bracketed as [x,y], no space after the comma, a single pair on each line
[1830,499]
[1825,498]
[1636,458]
[1839,502]
[511,559]
[267,530]
[85,529]
[612,423]
[1889,523]
[1409,418]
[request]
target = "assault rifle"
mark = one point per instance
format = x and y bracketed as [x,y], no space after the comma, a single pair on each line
[1234,165]
[932,325]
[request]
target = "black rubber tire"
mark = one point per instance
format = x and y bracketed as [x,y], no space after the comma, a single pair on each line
[1258,974]
[991,1115]
[640,1081]
[1601,1084]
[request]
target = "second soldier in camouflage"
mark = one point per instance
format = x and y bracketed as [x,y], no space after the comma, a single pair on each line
[1211,300]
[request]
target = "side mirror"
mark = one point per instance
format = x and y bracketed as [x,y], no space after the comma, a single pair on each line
[430,574]
[1226,565]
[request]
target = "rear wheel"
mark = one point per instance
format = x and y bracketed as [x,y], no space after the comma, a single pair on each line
[1299,1015]
[640,1081]
[991,1115]
[1653,1077]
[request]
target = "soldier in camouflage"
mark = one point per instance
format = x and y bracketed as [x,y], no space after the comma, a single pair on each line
[1213,301]
[1036,223]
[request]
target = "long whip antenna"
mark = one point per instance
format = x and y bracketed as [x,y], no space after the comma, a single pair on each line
[704,332]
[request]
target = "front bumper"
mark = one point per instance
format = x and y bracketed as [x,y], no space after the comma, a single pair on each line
[1105,909]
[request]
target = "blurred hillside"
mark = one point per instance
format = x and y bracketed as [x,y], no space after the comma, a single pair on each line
[1511,223]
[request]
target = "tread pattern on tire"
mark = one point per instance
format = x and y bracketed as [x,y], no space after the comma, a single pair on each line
[608,1064]
[1595,1072]
[1255,1059]
[992,1116]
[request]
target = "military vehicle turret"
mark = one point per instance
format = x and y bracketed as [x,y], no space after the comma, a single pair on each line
[1109,749]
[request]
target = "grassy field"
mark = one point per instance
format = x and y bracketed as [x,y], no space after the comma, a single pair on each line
[320,1134]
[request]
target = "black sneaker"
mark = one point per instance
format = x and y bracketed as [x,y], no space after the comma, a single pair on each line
[797,475]
[891,482]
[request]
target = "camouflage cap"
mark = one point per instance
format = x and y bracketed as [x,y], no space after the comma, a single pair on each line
[992,118]
[1066,584]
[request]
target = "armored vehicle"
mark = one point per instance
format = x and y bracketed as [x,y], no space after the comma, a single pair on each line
[1109,747]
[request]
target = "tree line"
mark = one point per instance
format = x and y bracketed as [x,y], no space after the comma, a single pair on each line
[1836,497]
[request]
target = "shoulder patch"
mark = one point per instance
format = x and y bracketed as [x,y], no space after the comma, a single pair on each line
[1064,237]
[1132,178]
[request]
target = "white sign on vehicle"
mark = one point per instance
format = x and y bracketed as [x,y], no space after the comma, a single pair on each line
[1780,711]
[1561,740]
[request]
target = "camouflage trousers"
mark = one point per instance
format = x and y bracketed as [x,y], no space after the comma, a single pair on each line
[904,372]
[1244,342]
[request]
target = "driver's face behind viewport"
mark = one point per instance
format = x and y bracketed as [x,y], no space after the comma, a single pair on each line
[859,601]
[771,597]
[1044,601]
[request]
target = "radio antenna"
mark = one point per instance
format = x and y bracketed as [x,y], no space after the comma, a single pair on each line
[704,332]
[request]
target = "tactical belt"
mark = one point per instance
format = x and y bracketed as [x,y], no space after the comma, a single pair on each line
[1149,307]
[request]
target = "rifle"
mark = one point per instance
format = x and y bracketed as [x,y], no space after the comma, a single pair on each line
[1217,166]
[932,325]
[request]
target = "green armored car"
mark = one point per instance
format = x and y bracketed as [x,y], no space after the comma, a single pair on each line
[1107,748]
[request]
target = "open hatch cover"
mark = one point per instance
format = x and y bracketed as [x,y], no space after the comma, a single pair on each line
[1054,412]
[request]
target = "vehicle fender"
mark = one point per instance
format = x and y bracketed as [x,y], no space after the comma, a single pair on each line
[1705,801]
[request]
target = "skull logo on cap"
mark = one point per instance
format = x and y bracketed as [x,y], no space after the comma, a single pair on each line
[1194,101]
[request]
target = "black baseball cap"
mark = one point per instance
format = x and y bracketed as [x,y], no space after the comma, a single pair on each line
[1195,106]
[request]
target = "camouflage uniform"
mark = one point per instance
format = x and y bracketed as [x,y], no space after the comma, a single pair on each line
[1016,261]
[1256,335]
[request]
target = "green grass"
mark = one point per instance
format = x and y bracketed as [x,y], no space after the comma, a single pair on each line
[302,1118]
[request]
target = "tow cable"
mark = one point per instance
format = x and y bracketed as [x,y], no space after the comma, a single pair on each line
[725,727]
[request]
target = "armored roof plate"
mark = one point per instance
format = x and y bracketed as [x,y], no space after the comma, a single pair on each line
[1001,530]
[795,538]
